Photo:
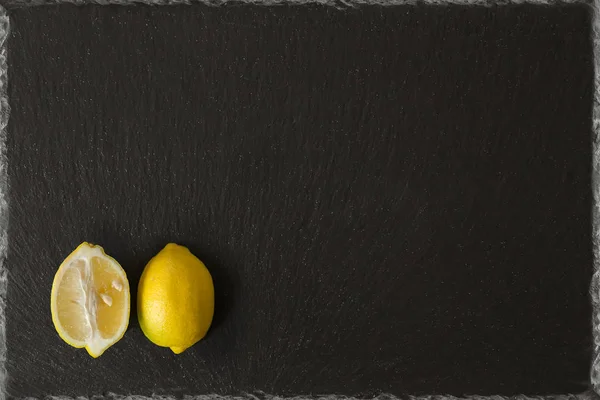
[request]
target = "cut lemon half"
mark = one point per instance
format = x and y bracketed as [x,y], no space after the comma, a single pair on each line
[90,300]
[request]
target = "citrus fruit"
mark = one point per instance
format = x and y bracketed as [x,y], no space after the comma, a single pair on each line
[90,300]
[175,302]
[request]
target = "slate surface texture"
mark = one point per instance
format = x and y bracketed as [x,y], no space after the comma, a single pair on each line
[389,199]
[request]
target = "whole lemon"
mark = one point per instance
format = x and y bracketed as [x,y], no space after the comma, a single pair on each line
[176,300]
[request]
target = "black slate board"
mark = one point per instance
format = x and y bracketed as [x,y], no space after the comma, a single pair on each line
[390,199]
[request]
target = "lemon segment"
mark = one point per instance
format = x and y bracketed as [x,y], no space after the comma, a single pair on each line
[90,300]
[175,299]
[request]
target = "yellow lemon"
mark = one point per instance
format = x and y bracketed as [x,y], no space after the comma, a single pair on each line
[90,300]
[176,299]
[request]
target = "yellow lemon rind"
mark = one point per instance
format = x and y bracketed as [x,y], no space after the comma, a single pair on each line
[176,346]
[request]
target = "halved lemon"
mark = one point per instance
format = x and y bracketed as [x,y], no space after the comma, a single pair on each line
[90,300]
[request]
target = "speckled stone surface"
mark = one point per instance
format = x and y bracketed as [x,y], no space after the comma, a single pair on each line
[390,199]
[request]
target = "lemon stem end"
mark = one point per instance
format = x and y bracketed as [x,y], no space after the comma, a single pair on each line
[178,350]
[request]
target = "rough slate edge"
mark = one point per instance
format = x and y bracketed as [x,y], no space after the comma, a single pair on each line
[592,394]
[595,284]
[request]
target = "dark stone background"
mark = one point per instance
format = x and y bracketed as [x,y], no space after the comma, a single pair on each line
[390,199]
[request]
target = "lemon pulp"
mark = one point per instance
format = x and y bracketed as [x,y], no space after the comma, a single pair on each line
[90,300]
